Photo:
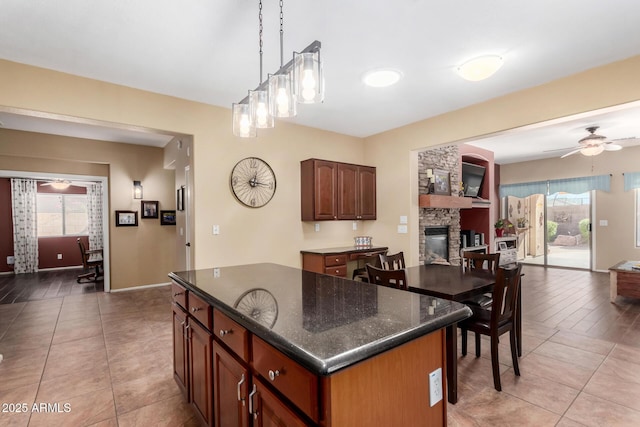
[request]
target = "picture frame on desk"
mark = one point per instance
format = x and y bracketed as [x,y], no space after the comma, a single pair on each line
[502,246]
[441,182]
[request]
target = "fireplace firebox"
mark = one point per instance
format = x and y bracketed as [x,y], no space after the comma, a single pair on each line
[436,246]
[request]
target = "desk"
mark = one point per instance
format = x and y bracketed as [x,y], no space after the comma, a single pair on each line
[333,261]
[452,283]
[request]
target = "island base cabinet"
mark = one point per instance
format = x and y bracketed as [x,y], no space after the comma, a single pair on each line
[230,390]
[269,411]
[201,376]
[390,389]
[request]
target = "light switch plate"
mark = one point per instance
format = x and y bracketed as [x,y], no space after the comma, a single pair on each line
[403,219]
[402,229]
[604,223]
[216,229]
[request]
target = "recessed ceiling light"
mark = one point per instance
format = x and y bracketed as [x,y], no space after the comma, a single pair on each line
[381,77]
[480,68]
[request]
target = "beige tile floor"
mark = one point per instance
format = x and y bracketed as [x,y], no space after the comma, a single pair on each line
[108,357]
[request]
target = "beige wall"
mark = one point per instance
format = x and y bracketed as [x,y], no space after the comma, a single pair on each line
[392,151]
[275,233]
[615,242]
[140,255]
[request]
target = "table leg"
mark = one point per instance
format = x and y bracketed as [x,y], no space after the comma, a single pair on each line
[519,320]
[452,362]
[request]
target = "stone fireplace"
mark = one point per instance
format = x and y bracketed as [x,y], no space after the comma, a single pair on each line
[445,158]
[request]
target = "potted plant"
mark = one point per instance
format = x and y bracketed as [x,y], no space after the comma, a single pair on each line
[499,225]
[521,222]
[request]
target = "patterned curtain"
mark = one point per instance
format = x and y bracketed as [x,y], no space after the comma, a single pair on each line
[25,229]
[94,208]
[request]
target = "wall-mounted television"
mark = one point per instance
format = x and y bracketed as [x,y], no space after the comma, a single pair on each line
[472,179]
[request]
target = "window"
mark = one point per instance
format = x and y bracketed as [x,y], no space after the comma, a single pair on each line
[62,215]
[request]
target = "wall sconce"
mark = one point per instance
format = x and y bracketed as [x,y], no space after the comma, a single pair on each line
[137,190]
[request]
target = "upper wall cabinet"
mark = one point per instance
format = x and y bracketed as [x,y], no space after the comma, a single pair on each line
[337,191]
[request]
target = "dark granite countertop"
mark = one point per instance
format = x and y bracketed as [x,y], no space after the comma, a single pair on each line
[325,323]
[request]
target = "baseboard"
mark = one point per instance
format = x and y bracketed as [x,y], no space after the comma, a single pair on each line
[71,267]
[136,288]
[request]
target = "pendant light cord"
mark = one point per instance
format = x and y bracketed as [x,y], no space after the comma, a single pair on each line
[260,35]
[281,34]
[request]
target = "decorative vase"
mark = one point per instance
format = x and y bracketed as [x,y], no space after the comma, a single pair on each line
[499,232]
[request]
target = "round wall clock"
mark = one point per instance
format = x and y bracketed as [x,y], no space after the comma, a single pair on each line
[253,182]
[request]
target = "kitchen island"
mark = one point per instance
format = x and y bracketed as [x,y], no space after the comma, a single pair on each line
[301,348]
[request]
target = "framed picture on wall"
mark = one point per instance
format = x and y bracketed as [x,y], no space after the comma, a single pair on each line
[126,218]
[441,182]
[167,217]
[180,199]
[149,208]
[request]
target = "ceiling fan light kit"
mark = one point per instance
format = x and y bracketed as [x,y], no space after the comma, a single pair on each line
[594,144]
[298,81]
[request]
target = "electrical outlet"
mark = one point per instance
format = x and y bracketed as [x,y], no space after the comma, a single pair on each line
[216,272]
[435,387]
[216,229]
[317,227]
[59,256]
[355,225]
[402,229]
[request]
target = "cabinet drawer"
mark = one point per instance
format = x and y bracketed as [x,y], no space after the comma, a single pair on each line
[200,310]
[331,260]
[292,380]
[179,295]
[232,334]
[339,270]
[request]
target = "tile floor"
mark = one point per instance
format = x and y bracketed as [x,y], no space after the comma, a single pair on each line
[108,357]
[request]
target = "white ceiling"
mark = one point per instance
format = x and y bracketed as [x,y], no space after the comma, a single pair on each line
[207,51]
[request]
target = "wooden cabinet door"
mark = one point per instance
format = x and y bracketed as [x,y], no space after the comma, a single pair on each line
[366,192]
[347,191]
[325,177]
[269,411]
[230,390]
[180,354]
[201,378]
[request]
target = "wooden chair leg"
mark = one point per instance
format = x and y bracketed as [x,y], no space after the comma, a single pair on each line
[464,341]
[495,366]
[514,351]
[477,344]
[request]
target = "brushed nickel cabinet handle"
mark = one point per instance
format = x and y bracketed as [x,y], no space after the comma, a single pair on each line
[240,398]
[273,374]
[253,393]
[224,332]
[194,309]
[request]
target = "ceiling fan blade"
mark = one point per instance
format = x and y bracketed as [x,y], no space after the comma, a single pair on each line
[570,153]
[557,149]
[612,147]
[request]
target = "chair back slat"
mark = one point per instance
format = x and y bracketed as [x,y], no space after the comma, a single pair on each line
[392,262]
[478,261]
[505,294]
[391,278]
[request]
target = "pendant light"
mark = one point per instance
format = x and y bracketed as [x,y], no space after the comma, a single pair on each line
[298,81]
[281,96]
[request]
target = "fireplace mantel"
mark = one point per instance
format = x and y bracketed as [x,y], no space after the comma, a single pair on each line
[444,202]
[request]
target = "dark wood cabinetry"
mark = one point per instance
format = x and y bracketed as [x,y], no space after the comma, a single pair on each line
[180,353]
[337,191]
[201,377]
[230,389]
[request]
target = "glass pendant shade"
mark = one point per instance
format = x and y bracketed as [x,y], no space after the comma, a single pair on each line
[242,124]
[282,102]
[259,107]
[309,84]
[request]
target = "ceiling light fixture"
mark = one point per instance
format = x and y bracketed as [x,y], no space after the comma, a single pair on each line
[61,184]
[480,68]
[381,77]
[592,150]
[298,81]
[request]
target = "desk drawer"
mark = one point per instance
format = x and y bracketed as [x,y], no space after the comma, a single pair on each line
[232,334]
[339,270]
[200,310]
[331,260]
[179,295]
[295,382]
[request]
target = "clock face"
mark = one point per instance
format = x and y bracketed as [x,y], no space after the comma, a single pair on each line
[253,182]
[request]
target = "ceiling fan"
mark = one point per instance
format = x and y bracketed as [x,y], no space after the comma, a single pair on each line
[594,144]
[63,184]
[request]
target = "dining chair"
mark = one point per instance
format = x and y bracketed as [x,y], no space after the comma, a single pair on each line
[392,262]
[360,273]
[477,261]
[92,263]
[501,318]
[391,278]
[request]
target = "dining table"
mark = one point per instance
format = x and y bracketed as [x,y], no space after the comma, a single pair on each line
[456,284]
